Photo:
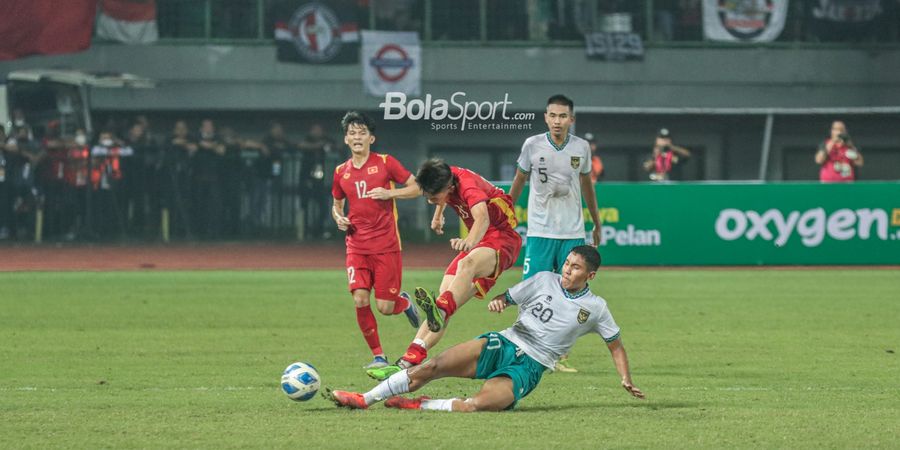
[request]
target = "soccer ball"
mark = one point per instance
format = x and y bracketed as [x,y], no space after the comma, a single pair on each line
[300,381]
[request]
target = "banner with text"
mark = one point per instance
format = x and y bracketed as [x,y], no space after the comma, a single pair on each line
[745,224]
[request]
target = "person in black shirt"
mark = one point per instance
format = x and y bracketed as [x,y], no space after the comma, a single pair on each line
[320,157]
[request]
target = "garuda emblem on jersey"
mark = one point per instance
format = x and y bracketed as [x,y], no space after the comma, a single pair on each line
[583,315]
[576,162]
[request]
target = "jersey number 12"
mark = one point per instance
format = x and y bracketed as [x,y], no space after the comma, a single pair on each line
[360,189]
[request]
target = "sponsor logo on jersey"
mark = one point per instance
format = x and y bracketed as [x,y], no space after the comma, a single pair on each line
[575,161]
[583,315]
[346,176]
[372,170]
[393,290]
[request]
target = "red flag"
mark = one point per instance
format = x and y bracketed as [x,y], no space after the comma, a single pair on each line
[47,27]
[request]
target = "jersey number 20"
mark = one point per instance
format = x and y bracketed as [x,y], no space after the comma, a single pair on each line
[542,314]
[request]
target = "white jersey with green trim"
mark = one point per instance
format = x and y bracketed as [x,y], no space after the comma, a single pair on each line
[551,319]
[554,199]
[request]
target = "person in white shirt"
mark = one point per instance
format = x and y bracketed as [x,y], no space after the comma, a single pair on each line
[554,311]
[557,165]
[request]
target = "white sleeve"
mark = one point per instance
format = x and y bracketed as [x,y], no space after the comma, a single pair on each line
[586,167]
[606,326]
[524,292]
[524,161]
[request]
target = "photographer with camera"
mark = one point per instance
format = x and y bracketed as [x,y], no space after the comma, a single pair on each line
[838,156]
[665,156]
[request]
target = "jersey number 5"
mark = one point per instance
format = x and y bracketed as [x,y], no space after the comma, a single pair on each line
[542,172]
[360,189]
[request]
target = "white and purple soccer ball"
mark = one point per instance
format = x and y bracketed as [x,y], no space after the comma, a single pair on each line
[300,381]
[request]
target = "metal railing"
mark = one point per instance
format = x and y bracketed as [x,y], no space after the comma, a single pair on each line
[513,22]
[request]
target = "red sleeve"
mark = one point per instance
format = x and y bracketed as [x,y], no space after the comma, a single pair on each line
[469,191]
[396,171]
[336,190]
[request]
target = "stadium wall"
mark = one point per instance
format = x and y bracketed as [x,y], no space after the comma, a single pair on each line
[248,77]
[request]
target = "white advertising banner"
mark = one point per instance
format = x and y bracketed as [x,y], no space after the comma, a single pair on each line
[391,62]
[744,21]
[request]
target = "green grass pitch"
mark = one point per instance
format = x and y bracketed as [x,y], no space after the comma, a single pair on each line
[727,358]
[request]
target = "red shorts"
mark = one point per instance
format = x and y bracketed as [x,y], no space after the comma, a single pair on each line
[506,243]
[383,271]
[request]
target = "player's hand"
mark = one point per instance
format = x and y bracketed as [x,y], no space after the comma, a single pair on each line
[497,305]
[437,224]
[343,223]
[458,244]
[461,245]
[595,236]
[379,193]
[632,389]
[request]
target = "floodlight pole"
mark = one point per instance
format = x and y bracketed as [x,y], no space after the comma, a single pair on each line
[766,146]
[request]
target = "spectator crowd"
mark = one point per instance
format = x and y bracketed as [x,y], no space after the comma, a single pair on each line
[130,180]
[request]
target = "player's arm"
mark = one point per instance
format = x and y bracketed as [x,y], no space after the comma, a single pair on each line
[437,221]
[499,303]
[480,224]
[620,358]
[518,185]
[337,213]
[410,189]
[590,198]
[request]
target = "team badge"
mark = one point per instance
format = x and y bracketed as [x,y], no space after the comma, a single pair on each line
[372,170]
[583,315]
[548,298]
[576,162]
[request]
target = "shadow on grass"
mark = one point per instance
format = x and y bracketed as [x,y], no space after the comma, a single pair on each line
[640,404]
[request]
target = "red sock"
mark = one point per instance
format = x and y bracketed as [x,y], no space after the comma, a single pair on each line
[369,328]
[446,303]
[415,354]
[400,304]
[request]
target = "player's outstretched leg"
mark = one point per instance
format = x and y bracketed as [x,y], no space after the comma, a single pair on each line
[405,403]
[433,315]
[345,399]
[412,314]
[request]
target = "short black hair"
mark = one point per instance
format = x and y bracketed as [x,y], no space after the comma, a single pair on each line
[560,99]
[591,256]
[434,175]
[357,118]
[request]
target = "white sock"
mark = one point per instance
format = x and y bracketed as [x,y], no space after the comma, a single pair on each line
[438,405]
[419,342]
[396,384]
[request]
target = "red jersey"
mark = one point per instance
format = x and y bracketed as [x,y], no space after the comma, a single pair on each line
[373,223]
[472,189]
[838,165]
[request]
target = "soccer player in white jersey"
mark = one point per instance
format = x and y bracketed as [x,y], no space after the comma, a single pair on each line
[554,311]
[558,167]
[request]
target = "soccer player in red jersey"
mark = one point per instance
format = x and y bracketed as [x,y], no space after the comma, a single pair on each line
[373,239]
[491,247]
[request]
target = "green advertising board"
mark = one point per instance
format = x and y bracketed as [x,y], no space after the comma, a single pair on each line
[744,223]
